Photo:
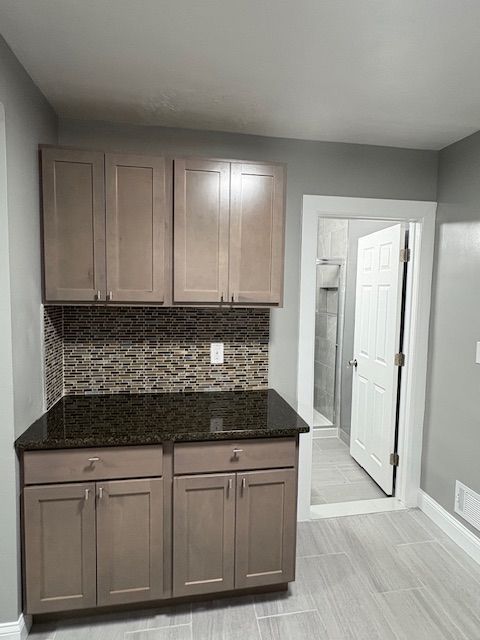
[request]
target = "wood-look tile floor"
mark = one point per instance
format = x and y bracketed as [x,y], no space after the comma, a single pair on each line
[336,477]
[383,576]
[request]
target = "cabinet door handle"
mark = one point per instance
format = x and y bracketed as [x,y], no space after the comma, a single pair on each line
[222,298]
[100,493]
[233,297]
[109,296]
[230,484]
[98,295]
[87,494]
[244,484]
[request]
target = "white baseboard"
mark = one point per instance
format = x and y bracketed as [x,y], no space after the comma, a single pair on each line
[324,432]
[355,508]
[454,529]
[16,630]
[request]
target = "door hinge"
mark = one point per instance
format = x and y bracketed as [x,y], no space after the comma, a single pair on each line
[399,360]
[394,459]
[404,255]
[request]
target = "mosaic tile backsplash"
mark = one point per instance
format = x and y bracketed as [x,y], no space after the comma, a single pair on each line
[150,350]
[53,354]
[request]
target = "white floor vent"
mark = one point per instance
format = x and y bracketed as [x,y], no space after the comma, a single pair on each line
[467,504]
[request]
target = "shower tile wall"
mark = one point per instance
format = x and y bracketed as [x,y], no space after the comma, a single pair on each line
[332,243]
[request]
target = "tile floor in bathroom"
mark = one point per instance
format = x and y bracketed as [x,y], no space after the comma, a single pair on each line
[336,477]
[383,576]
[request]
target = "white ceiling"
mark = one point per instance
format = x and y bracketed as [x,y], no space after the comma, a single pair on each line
[388,72]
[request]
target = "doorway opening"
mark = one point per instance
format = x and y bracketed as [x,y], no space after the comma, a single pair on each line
[358,320]
[357,298]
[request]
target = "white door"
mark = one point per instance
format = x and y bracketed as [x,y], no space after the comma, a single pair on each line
[376,341]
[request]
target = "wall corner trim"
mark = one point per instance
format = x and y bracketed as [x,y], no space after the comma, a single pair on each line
[454,529]
[18,630]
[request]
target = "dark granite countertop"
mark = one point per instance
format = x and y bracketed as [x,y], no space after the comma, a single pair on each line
[136,419]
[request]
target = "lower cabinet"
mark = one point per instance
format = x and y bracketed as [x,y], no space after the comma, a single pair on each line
[208,521]
[203,533]
[93,544]
[129,541]
[265,528]
[60,553]
[233,531]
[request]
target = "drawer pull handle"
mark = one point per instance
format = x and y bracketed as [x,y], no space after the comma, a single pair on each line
[237,451]
[87,493]
[94,459]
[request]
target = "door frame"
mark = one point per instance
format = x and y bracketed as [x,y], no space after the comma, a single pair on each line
[420,217]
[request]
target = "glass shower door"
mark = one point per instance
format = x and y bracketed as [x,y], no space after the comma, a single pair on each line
[326,342]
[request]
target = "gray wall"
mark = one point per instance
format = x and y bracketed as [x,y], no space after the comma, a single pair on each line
[452,427]
[28,121]
[356,229]
[313,168]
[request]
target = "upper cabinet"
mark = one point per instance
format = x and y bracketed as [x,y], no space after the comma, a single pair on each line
[229,232]
[201,223]
[106,225]
[112,233]
[73,224]
[136,228]
[256,233]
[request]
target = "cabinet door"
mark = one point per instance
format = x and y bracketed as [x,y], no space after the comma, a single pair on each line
[129,541]
[203,533]
[73,224]
[59,522]
[201,218]
[137,219]
[265,528]
[257,234]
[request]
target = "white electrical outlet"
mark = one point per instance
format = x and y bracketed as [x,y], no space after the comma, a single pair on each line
[216,424]
[216,353]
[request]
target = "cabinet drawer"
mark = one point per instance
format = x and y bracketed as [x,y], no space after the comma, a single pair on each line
[231,455]
[83,465]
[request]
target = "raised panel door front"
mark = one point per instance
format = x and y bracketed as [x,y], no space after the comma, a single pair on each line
[60,572]
[378,310]
[203,533]
[257,234]
[265,528]
[129,541]
[201,219]
[138,227]
[73,225]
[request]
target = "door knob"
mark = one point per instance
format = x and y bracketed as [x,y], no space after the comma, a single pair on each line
[353,363]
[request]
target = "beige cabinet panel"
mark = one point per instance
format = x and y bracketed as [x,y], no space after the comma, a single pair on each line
[203,534]
[201,220]
[82,465]
[73,224]
[257,233]
[60,571]
[265,528]
[233,455]
[129,541]
[137,228]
